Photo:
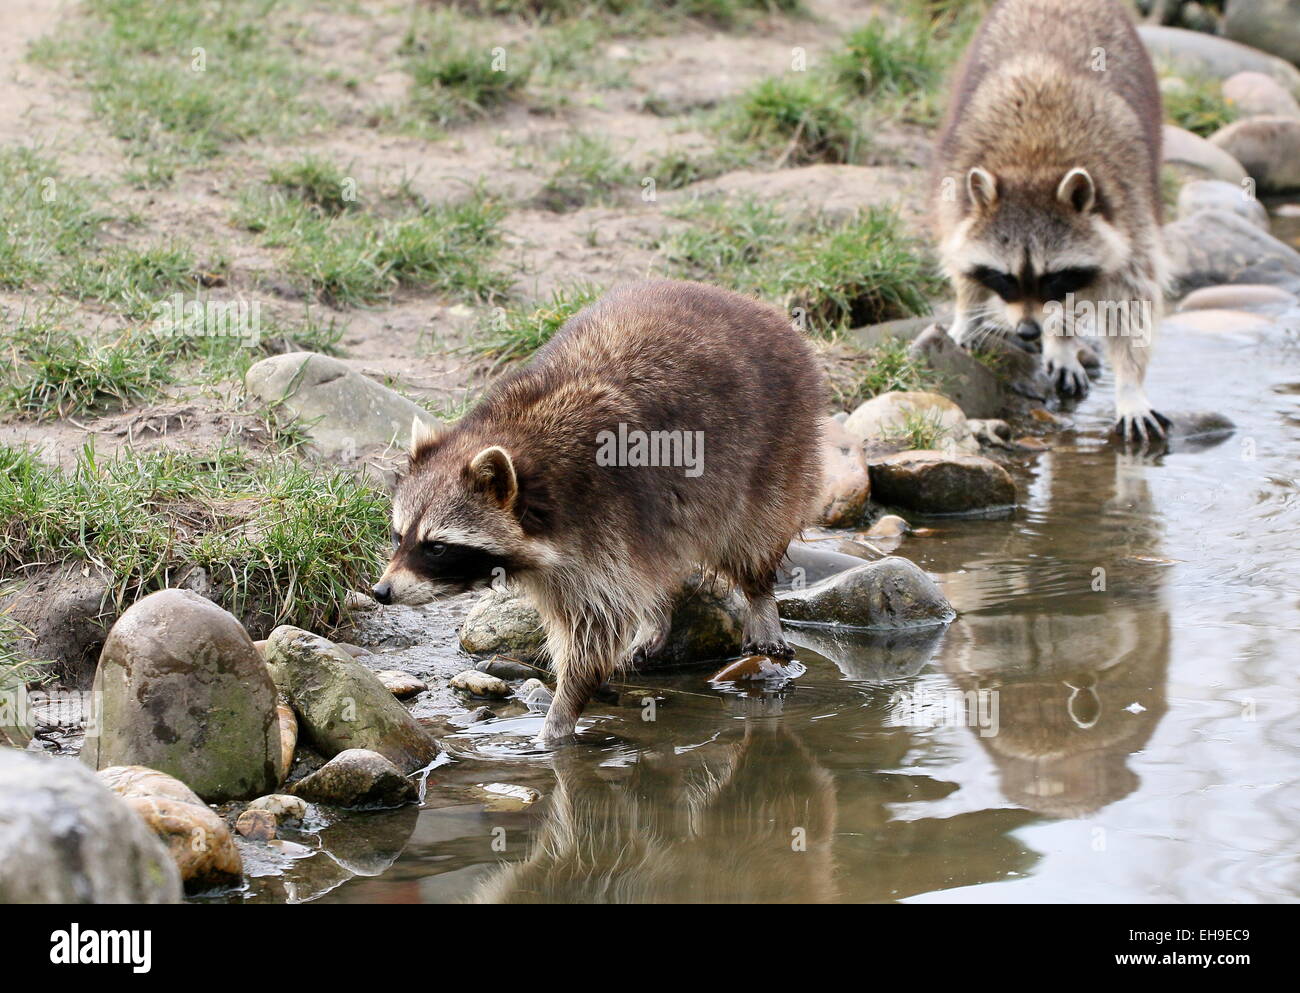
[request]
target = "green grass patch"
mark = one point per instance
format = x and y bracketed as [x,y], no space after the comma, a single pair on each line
[46,219]
[457,71]
[362,256]
[797,118]
[280,541]
[585,170]
[179,81]
[829,274]
[920,429]
[49,369]
[1197,105]
[636,16]
[884,368]
[132,279]
[518,331]
[317,182]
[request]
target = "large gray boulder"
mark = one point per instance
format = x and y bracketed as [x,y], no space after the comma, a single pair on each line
[1215,246]
[1270,25]
[1194,53]
[343,412]
[1193,157]
[65,838]
[181,689]
[1214,194]
[1254,94]
[1267,147]
[891,594]
[341,704]
[968,382]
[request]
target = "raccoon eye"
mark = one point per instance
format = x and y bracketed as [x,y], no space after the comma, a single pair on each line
[1003,284]
[1055,285]
[397,540]
[435,547]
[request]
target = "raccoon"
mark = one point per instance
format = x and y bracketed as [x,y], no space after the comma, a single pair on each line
[524,486]
[1047,187]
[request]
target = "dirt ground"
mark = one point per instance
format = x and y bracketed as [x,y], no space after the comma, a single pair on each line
[411,340]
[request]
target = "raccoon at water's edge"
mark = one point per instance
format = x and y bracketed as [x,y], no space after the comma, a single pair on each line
[523,485]
[1047,186]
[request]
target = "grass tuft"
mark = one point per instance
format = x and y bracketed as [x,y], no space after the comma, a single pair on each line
[281,542]
[830,274]
[798,118]
[516,332]
[1198,106]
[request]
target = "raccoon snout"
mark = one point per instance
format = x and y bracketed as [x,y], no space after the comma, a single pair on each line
[383,592]
[1029,330]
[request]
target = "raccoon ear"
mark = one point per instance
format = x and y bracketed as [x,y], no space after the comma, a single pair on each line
[982,187]
[1077,190]
[492,472]
[424,437]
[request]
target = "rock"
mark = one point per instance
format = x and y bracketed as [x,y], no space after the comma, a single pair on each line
[1268,148]
[480,684]
[758,669]
[1206,321]
[181,689]
[889,594]
[256,825]
[283,806]
[1240,296]
[505,796]
[401,684]
[357,777]
[889,526]
[287,725]
[1199,425]
[990,432]
[63,616]
[1193,53]
[1196,158]
[968,382]
[808,562]
[503,621]
[341,705]
[16,728]
[1255,94]
[904,329]
[706,623]
[66,838]
[534,694]
[342,412]
[892,416]
[940,483]
[505,668]
[198,841]
[356,651]
[1270,25]
[1214,194]
[1216,247]
[847,485]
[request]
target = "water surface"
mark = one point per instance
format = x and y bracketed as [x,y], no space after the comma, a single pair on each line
[1112,717]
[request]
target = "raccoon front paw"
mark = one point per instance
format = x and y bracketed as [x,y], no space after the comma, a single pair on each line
[1143,427]
[772,649]
[1069,379]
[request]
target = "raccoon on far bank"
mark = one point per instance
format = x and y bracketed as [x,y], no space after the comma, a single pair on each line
[523,486]
[1047,178]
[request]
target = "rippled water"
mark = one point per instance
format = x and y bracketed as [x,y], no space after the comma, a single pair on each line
[1113,716]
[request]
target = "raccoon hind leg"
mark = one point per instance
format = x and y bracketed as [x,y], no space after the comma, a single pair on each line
[761,634]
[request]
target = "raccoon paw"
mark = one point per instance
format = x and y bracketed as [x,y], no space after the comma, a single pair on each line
[1068,380]
[1143,427]
[772,649]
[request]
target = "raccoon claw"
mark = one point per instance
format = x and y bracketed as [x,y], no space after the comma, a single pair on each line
[1144,427]
[772,649]
[1069,381]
